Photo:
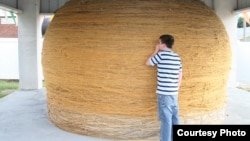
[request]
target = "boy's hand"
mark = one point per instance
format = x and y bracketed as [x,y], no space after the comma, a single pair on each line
[157,47]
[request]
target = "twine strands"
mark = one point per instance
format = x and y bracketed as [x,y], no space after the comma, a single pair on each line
[94,55]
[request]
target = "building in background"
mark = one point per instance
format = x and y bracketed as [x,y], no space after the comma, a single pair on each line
[9,43]
[8,24]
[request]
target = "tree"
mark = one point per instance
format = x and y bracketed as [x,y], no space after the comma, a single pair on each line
[240,22]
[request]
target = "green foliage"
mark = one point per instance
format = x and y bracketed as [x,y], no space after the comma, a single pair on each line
[8,86]
[2,95]
[240,22]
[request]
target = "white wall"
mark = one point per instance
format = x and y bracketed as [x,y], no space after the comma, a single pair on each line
[243,63]
[240,33]
[9,59]
[224,10]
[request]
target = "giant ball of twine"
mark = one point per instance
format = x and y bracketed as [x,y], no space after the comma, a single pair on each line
[94,55]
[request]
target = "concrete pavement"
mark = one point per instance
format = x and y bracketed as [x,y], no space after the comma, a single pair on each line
[238,107]
[23,116]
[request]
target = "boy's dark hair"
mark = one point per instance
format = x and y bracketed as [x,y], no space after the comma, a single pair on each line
[168,40]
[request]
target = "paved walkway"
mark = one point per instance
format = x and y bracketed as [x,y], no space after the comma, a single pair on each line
[23,117]
[238,107]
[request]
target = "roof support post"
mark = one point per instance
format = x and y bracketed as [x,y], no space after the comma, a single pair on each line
[29,45]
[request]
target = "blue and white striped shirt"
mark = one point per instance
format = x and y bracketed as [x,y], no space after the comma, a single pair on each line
[169,67]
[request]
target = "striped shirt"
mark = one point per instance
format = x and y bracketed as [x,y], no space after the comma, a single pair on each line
[168,68]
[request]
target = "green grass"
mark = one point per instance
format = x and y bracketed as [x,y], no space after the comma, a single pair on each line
[8,86]
[2,95]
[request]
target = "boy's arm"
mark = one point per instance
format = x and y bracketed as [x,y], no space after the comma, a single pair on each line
[153,54]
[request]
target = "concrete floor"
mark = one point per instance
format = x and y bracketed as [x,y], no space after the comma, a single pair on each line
[23,116]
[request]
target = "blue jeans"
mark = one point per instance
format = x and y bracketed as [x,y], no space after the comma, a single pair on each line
[168,112]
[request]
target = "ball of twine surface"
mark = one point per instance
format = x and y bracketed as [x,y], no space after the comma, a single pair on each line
[94,55]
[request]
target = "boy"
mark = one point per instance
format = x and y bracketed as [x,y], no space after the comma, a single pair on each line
[169,76]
